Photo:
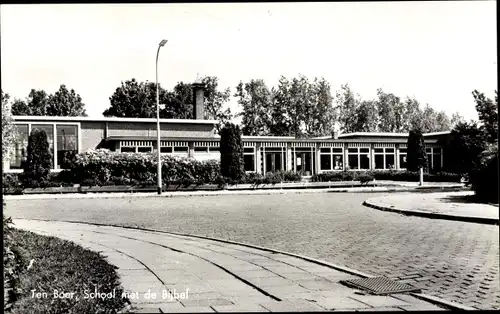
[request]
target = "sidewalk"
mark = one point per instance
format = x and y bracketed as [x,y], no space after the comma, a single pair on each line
[210,275]
[389,187]
[450,205]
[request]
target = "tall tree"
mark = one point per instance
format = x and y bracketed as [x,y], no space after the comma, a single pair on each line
[462,151]
[456,118]
[215,101]
[346,106]
[416,155]
[296,108]
[487,111]
[38,160]
[231,150]
[390,112]
[255,99]
[63,103]
[414,114]
[178,103]
[319,117]
[35,105]
[366,117]
[281,121]
[443,122]
[134,99]
[9,133]
[66,103]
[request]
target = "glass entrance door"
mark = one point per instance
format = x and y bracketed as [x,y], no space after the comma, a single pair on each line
[303,163]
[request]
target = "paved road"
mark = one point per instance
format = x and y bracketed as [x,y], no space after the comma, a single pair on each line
[194,275]
[457,261]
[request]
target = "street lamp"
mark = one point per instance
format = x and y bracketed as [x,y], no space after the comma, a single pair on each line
[158,143]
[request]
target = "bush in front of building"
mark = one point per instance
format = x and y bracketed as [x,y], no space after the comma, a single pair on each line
[38,160]
[103,167]
[484,177]
[333,176]
[389,175]
[231,153]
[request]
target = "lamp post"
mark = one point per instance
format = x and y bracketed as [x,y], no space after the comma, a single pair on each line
[158,142]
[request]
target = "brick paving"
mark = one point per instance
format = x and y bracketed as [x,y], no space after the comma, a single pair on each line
[150,262]
[456,261]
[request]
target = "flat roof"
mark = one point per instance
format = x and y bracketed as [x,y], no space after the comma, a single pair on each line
[259,139]
[111,119]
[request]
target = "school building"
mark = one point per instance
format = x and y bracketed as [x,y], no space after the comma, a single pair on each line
[197,138]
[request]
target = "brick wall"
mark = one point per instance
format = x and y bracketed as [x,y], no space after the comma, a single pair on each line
[92,134]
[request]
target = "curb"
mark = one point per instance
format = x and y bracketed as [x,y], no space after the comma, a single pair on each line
[427,298]
[380,189]
[425,214]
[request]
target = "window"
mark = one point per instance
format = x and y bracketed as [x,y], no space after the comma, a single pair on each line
[326,162]
[338,162]
[49,129]
[403,164]
[331,159]
[20,147]
[128,149]
[180,149]
[145,149]
[249,158]
[274,159]
[67,144]
[214,149]
[165,150]
[249,161]
[201,149]
[434,158]
[384,158]
[353,161]
[359,158]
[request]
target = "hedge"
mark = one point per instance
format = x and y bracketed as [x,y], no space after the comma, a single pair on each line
[104,168]
[391,175]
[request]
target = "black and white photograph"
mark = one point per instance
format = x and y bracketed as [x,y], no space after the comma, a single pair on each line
[250,157]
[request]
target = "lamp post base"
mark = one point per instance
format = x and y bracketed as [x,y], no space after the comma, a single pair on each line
[159,191]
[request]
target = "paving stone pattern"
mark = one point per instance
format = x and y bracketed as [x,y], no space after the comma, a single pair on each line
[151,262]
[456,261]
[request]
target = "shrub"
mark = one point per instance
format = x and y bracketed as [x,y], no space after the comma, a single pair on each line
[484,178]
[365,178]
[254,178]
[39,159]
[335,176]
[390,175]
[273,178]
[231,152]
[104,167]
[290,176]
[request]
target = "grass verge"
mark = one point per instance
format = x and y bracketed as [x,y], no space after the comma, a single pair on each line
[63,266]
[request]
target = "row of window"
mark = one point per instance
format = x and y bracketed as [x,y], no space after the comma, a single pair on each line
[168,149]
[66,139]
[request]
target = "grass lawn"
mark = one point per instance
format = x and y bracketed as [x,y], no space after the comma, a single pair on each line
[66,267]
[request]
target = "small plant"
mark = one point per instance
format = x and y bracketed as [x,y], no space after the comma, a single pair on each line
[365,178]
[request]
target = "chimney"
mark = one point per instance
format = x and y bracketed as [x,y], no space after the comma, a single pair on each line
[199,99]
[335,135]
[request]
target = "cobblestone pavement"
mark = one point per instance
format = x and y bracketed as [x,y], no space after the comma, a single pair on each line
[206,276]
[456,261]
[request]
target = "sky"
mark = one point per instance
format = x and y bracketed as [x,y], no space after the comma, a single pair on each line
[437,52]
